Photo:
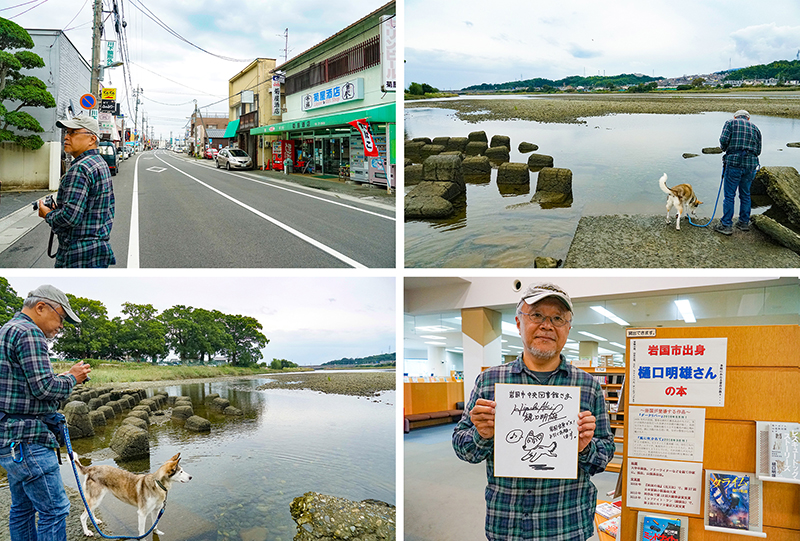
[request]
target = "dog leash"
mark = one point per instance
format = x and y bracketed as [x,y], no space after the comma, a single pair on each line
[721,182]
[86,504]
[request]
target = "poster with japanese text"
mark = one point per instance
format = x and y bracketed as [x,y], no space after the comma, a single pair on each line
[663,485]
[536,431]
[672,433]
[729,501]
[678,371]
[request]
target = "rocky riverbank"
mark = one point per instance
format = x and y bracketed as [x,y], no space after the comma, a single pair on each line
[570,109]
[346,383]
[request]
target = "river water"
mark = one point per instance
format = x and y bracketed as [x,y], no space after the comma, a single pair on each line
[616,161]
[248,470]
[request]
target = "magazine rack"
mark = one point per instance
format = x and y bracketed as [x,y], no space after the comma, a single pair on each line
[754,513]
[761,381]
[762,456]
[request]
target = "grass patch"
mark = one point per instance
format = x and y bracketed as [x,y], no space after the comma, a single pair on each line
[112,372]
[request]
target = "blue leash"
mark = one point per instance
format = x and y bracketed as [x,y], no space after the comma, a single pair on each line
[80,489]
[721,182]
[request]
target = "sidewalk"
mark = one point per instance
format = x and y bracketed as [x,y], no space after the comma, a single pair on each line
[17,216]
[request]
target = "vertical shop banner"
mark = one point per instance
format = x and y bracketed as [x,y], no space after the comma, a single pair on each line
[370,148]
[536,431]
[388,53]
[662,485]
[276,95]
[678,372]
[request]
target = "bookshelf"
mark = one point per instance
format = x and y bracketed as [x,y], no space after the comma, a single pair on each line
[613,384]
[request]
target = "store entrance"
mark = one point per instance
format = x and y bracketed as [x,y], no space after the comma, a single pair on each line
[336,154]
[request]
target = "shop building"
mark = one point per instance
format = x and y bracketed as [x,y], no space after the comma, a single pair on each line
[349,76]
[249,103]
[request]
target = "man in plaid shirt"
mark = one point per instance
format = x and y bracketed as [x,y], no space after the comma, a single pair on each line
[741,141]
[29,391]
[541,509]
[85,207]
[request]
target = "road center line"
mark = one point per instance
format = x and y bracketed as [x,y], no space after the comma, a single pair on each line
[287,228]
[133,240]
[392,218]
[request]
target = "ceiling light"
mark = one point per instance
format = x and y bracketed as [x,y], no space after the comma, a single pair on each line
[509,328]
[515,347]
[435,328]
[617,344]
[613,317]
[685,308]
[572,346]
[590,335]
[432,337]
[454,351]
[437,343]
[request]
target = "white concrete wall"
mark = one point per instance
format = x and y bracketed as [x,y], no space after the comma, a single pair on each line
[22,169]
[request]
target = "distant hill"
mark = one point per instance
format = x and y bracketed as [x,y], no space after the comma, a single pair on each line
[383,358]
[594,81]
[786,70]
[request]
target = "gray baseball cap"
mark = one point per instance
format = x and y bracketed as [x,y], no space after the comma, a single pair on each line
[80,122]
[56,295]
[537,292]
[741,112]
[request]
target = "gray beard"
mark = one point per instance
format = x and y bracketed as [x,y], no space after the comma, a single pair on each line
[540,353]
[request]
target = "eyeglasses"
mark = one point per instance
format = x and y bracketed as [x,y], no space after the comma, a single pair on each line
[57,312]
[72,133]
[538,318]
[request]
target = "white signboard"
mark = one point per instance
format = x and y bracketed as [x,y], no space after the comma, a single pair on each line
[389,53]
[106,122]
[664,485]
[276,95]
[536,431]
[666,432]
[678,372]
[348,91]
[640,333]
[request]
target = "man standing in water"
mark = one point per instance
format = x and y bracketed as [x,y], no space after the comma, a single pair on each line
[741,141]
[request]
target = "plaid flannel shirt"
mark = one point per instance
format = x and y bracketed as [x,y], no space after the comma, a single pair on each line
[27,382]
[542,509]
[84,214]
[741,141]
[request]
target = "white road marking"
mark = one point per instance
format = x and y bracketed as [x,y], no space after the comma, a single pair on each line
[287,228]
[133,239]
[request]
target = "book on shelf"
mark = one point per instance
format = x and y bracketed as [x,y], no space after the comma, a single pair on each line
[610,526]
[729,501]
[661,529]
[784,450]
[607,510]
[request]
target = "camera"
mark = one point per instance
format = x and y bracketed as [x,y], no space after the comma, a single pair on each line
[49,202]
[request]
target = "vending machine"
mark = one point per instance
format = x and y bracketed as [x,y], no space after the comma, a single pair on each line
[280,151]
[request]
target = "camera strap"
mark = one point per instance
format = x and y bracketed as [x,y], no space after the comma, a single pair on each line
[50,246]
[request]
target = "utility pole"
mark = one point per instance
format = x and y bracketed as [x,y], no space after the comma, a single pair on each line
[97,31]
[136,114]
[286,48]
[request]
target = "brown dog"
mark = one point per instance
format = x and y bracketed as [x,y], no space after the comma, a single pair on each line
[146,492]
[681,197]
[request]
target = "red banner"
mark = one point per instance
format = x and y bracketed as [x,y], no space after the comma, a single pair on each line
[370,148]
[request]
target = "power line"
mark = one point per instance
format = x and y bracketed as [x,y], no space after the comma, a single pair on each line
[27,10]
[19,5]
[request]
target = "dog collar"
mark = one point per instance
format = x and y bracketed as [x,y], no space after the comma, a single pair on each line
[160,485]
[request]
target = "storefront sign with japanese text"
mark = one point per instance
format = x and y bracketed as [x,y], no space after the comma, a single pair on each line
[276,95]
[347,91]
[536,431]
[678,372]
[665,485]
[388,53]
[666,432]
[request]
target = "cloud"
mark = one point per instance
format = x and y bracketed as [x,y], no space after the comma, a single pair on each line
[765,43]
[580,52]
[469,23]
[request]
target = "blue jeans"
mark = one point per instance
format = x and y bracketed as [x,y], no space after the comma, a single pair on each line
[36,486]
[737,178]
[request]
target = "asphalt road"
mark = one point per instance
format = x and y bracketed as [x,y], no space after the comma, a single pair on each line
[176,212]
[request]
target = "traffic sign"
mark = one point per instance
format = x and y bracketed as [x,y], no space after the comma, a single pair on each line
[109,94]
[88,101]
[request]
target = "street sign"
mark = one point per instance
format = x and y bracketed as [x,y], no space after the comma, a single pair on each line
[109,51]
[88,101]
[108,106]
[93,113]
[109,93]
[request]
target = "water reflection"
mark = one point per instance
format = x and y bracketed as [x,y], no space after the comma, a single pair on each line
[616,161]
[249,468]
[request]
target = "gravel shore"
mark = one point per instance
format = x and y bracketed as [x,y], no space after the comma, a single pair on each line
[347,383]
[570,109]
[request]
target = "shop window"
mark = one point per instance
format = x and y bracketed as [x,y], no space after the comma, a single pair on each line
[364,55]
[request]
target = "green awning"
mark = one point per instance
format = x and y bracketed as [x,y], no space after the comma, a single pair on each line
[230,131]
[380,113]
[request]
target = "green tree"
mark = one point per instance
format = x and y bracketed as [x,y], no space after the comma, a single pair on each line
[211,335]
[428,89]
[19,89]
[10,303]
[415,89]
[141,333]
[182,332]
[92,338]
[698,82]
[280,364]
[247,340]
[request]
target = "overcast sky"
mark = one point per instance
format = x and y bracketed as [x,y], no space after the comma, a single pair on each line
[172,72]
[307,320]
[451,45]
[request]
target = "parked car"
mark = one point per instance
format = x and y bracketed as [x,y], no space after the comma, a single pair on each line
[109,153]
[127,152]
[211,153]
[233,158]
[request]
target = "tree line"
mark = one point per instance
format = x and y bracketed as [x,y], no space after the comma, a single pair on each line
[610,82]
[142,334]
[383,358]
[783,70]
